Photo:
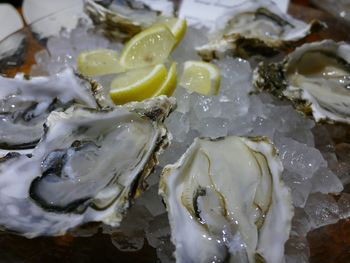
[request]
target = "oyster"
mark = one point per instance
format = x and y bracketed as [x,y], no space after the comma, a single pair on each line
[86,167]
[120,20]
[25,105]
[226,202]
[256,28]
[315,78]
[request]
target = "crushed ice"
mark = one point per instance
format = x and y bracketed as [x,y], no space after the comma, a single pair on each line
[232,112]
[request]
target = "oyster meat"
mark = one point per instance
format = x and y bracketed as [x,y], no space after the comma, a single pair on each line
[315,78]
[226,202]
[256,28]
[25,105]
[87,166]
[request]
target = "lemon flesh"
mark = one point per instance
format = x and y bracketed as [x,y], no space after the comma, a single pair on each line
[201,77]
[137,84]
[177,26]
[149,47]
[98,62]
[169,84]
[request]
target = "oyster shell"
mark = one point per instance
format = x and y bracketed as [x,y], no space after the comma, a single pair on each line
[315,78]
[226,202]
[120,20]
[256,28]
[25,105]
[86,168]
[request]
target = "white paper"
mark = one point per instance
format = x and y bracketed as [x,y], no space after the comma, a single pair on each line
[206,12]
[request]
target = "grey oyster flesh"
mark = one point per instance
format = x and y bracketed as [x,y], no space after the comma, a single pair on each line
[226,202]
[25,105]
[315,77]
[256,28]
[86,168]
[120,20]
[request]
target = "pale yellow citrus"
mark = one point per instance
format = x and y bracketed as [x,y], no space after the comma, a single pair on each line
[137,84]
[201,77]
[149,47]
[98,62]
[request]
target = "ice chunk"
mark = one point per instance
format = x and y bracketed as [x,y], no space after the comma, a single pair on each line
[344,205]
[321,210]
[205,106]
[59,47]
[127,243]
[152,201]
[342,170]
[300,223]
[177,148]
[130,235]
[185,50]
[263,127]
[297,250]
[213,127]
[182,100]
[325,181]
[82,40]
[153,178]
[165,250]
[240,126]
[300,186]
[298,157]
[158,229]
[233,70]
[178,125]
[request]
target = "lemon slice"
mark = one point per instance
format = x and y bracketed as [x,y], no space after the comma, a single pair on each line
[169,84]
[201,77]
[98,62]
[149,47]
[137,84]
[177,26]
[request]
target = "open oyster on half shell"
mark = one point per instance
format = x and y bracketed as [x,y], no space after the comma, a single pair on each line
[256,28]
[120,20]
[26,103]
[315,78]
[86,168]
[226,202]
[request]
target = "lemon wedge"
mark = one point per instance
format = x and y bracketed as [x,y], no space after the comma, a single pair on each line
[201,77]
[149,47]
[169,84]
[177,26]
[137,84]
[98,62]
